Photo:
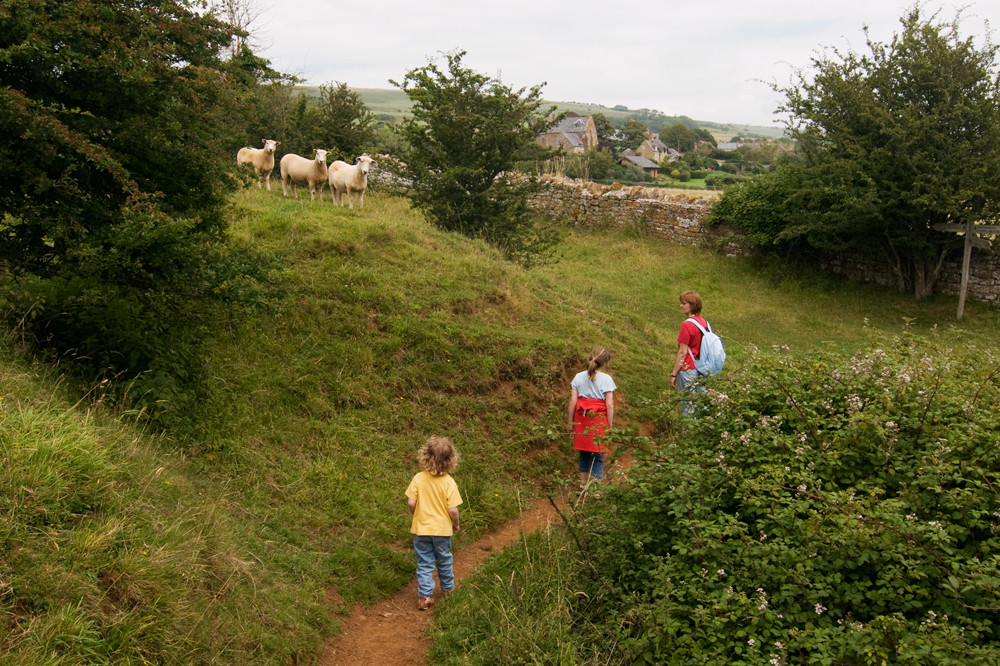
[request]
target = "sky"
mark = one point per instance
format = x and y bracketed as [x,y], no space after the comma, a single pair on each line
[708,61]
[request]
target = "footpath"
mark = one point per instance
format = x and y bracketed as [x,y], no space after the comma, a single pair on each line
[393,632]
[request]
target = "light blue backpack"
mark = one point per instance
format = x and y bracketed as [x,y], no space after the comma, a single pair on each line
[713,355]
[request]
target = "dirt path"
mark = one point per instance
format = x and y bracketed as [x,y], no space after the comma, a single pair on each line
[393,631]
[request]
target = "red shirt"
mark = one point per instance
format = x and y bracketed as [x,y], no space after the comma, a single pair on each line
[691,336]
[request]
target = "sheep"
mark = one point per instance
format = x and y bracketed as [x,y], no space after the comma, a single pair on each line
[261,159]
[296,169]
[347,178]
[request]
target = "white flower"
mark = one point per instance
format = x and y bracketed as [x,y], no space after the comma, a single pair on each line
[722,572]
[751,642]
[820,609]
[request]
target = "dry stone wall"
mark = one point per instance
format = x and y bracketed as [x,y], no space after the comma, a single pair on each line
[678,218]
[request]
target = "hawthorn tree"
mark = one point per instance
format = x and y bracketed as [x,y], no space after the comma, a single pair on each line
[115,165]
[344,120]
[892,142]
[634,132]
[465,135]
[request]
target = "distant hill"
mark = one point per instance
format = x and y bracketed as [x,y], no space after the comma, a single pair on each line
[393,104]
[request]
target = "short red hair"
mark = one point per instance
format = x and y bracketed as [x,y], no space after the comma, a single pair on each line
[694,300]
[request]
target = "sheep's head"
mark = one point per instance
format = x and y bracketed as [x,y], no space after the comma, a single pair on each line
[366,163]
[270,145]
[321,155]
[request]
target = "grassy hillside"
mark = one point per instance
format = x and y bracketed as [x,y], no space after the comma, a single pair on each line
[391,102]
[235,545]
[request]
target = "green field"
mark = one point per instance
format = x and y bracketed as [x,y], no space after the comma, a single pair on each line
[241,542]
[390,102]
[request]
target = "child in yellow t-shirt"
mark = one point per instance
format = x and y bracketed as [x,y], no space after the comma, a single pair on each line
[433,499]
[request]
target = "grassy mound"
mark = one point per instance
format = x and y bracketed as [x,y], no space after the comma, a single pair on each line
[232,542]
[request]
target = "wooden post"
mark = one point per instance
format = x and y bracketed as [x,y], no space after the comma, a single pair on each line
[966,260]
[973,236]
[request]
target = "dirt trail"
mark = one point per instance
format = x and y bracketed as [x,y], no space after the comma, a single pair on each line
[393,631]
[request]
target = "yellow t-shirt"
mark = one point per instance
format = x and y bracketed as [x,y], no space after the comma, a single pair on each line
[434,495]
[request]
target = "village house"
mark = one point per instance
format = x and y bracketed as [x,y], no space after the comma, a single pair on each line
[574,135]
[655,150]
[647,165]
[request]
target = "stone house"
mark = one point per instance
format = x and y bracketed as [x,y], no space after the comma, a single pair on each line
[574,135]
[655,150]
[644,163]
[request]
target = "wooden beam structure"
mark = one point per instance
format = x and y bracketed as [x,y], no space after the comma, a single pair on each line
[973,237]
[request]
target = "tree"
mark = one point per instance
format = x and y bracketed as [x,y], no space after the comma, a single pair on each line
[893,142]
[605,128]
[344,122]
[114,173]
[635,133]
[465,135]
[679,137]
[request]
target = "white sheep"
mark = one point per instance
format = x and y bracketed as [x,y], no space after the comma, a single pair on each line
[347,178]
[261,159]
[296,169]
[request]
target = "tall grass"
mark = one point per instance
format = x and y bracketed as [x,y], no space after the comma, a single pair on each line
[228,542]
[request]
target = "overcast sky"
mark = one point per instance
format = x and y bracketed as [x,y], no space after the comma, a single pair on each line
[708,61]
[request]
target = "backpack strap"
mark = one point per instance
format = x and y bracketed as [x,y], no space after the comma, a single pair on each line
[702,329]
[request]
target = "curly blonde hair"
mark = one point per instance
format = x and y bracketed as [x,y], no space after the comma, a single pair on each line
[438,456]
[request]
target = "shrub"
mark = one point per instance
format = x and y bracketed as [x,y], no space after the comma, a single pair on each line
[818,512]
[754,205]
[718,180]
[467,131]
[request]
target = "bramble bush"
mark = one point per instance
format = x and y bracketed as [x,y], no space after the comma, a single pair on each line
[818,512]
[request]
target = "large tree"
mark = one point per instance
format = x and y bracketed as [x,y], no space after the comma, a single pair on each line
[893,141]
[344,120]
[465,135]
[114,164]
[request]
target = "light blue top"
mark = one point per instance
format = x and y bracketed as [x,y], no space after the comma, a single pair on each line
[603,383]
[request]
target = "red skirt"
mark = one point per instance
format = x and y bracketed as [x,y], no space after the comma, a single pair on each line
[589,422]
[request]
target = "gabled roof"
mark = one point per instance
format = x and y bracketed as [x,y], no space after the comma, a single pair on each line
[640,161]
[569,125]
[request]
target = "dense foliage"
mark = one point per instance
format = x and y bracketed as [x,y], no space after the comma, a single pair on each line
[114,171]
[893,141]
[338,121]
[466,134]
[818,512]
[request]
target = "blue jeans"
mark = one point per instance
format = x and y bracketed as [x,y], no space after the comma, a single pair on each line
[687,380]
[431,551]
[593,463]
